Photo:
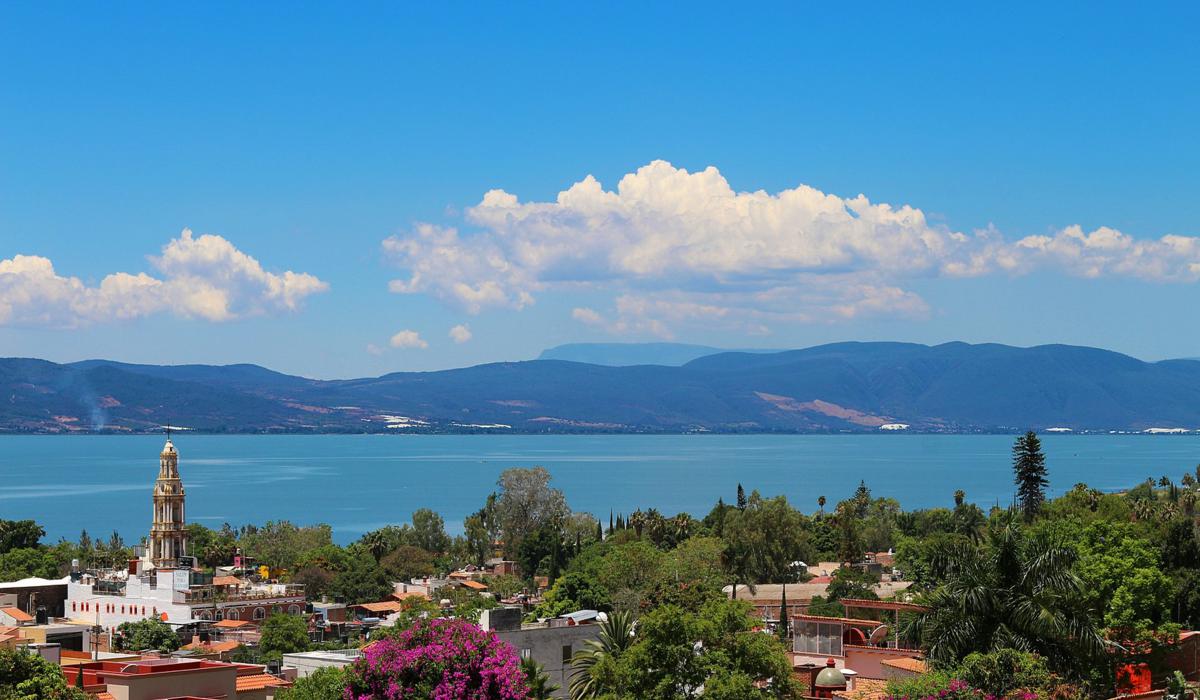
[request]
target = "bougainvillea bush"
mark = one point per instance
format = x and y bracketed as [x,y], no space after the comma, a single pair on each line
[437,660]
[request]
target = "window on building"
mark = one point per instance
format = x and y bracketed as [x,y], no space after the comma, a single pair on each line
[259,613]
[220,615]
[293,609]
[233,615]
[566,653]
[812,637]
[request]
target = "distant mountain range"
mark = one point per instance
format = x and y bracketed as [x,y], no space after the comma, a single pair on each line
[629,354]
[858,387]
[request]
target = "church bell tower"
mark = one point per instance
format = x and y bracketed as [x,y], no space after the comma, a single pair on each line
[168,541]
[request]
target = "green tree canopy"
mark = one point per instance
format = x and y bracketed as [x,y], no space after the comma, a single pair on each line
[676,651]
[19,534]
[283,634]
[1016,591]
[25,676]
[327,683]
[150,633]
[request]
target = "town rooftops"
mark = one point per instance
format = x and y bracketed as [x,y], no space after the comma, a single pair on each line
[233,624]
[473,585]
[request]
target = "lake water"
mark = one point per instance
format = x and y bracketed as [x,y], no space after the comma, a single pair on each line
[360,482]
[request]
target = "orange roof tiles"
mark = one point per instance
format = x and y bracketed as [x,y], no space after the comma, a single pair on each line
[228,581]
[410,594]
[864,689]
[233,624]
[914,665]
[213,647]
[105,696]
[260,681]
[474,585]
[382,606]
[17,614]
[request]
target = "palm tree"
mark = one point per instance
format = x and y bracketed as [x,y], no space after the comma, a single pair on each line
[540,686]
[1014,592]
[377,543]
[738,560]
[821,503]
[616,636]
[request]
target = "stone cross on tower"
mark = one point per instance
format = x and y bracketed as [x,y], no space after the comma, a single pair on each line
[168,540]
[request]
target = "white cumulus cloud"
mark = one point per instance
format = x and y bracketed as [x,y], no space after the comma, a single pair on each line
[197,277]
[408,339]
[460,333]
[675,247]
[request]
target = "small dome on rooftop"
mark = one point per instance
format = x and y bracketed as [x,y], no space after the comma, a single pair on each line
[830,677]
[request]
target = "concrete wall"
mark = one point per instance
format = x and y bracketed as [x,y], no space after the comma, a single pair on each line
[306,664]
[546,646]
[215,683]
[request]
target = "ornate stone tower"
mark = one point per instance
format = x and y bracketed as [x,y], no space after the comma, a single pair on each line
[168,541]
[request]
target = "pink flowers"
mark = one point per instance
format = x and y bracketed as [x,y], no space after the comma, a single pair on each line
[438,660]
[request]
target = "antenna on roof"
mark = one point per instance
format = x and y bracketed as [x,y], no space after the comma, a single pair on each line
[168,431]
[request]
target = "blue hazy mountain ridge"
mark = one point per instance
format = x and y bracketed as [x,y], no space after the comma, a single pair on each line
[954,387]
[627,354]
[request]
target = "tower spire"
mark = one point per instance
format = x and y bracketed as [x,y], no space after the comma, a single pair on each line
[168,538]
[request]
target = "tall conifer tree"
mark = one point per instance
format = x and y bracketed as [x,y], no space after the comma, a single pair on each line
[1029,474]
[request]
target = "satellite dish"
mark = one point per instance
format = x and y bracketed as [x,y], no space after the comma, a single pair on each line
[879,636]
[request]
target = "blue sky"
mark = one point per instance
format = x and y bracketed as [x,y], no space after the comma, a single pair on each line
[354,147]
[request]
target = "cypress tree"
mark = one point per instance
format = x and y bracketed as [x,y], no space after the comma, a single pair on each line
[741,498]
[599,531]
[610,521]
[1029,473]
[784,623]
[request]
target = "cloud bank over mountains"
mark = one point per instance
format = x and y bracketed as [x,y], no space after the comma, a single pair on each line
[675,248]
[203,277]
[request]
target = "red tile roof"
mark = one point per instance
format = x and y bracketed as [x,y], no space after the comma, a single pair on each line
[233,624]
[260,681]
[17,614]
[914,665]
[474,585]
[864,689]
[388,606]
[213,647]
[410,594]
[228,581]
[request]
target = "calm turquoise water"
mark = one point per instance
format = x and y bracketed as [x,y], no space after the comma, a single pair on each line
[357,483]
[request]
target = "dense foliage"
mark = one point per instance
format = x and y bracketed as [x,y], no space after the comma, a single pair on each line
[148,634]
[25,676]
